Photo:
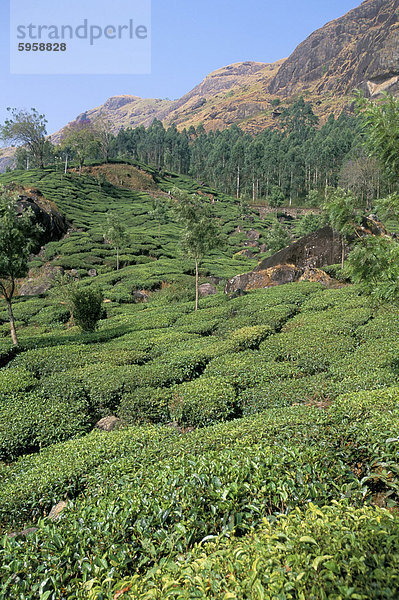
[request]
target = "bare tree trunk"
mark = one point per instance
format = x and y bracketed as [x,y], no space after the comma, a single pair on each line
[117,259]
[12,322]
[291,181]
[196,284]
[343,251]
[238,182]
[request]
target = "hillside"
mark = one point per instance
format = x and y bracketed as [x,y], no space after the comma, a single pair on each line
[254,448]
[358,50]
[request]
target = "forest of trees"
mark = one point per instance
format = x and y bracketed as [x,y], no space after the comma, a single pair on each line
[295,163]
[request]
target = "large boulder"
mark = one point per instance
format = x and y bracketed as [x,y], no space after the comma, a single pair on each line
[263,278]
[322,247]
[274,276]
[41,282]
[45,213]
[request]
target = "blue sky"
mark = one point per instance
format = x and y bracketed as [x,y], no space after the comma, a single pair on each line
[189,40]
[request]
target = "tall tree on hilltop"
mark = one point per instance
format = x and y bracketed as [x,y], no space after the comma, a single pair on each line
[340,209]
[102,128]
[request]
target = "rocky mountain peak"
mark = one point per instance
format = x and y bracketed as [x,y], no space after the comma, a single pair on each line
[359,50]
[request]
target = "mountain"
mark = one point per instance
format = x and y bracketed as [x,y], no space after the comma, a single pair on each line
[358,50]
[123,111]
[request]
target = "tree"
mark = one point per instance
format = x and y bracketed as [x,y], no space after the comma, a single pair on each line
[85,304]
[341,213]
[102,129]
[374,264]
[159,213]
[117,235]
[381,126]
[276,197]
[200,233]
[277,238]
[309,223]
[79,139]
[28,129]
[362,177]
[17,237]
[243,208]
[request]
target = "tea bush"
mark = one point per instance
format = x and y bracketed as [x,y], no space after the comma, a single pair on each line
[304,555]
[205,401]
[145,405]
[29,422]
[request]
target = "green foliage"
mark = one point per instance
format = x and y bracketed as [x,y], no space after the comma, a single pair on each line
[172,491]
[116,233]
[87,307]
[374,265]
[29,422]
[284,400]
[145,405]
[305,552]
[205,401]
[16,240]
[200,232]
[17,237]
[340,209]
[309,223]
[15,380]
[276,197]
[380,123]
[28,129]
[277,238]
[78,140]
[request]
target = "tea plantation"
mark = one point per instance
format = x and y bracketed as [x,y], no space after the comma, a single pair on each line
[257,453]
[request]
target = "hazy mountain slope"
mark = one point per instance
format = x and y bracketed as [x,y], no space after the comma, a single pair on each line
[124,111]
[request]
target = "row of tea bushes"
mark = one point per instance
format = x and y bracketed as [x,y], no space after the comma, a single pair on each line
[331,552]
[294,356]
[357,428]
[86,204]
[151,494]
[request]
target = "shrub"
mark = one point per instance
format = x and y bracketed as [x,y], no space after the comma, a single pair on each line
[248,337]
[202,402]
[145,405]
[249,369]
[31,421]
[278,393]
[87,308]
[306,552]
[15,380]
